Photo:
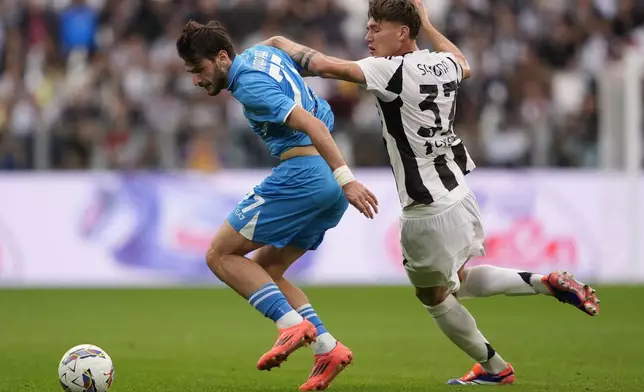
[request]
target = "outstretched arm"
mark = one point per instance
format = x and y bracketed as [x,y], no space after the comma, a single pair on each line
[439,41]
[314,63]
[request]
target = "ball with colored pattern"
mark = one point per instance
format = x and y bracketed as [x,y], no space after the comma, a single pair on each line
[86,368]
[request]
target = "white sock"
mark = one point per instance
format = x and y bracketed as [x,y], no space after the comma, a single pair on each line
[459,326]
[538,286]
[323,343]
[488,280]
[289,319]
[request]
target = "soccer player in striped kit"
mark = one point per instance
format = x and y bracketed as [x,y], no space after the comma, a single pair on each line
[441,227]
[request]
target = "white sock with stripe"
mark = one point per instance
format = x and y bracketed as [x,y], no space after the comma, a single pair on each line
[488,280]
[460,327]
[325,342]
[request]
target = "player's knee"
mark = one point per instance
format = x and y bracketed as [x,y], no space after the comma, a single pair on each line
[215,257]
[431,296]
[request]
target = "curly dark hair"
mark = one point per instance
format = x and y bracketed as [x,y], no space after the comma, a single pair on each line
[401,11]
[198,41]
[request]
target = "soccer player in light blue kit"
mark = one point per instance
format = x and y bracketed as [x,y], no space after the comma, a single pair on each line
[289,212]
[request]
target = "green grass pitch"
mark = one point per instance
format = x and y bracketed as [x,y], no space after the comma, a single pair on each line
[203,340]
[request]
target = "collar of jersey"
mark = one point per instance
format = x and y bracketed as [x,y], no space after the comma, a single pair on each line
[234,69]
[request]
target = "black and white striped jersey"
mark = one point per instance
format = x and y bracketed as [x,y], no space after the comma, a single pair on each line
[416,98]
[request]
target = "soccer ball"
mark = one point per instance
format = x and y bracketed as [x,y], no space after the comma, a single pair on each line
[86,368]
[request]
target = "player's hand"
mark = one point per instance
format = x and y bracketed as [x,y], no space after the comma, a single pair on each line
[422,10]
[361,198]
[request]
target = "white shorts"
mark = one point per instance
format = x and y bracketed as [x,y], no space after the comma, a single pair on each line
[435,247]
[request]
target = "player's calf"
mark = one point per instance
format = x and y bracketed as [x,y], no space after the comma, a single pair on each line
[460,327]
[489,280]
[275,261]
[226,259]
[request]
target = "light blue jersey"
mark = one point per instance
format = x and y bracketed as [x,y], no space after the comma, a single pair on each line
[267,83]
[300,200]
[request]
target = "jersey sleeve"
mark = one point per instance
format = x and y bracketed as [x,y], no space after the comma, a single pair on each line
[264,100]
[451,60]
[378,71]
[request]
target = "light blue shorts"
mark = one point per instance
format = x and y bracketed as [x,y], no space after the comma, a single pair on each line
[294,206]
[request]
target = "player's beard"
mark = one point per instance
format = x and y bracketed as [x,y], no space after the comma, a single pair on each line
[217,82]
[210,89]
[213,88]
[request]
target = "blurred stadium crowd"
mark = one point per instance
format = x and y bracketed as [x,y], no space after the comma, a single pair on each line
[97,83]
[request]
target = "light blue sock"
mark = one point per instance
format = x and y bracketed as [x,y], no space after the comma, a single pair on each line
[308,313]
[325,342]
[270,301]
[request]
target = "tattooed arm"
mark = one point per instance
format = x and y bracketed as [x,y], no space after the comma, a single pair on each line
[314,63]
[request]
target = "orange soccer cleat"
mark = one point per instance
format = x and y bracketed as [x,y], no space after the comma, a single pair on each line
[289,340]
[567,289]
[327,367]
[478,376]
